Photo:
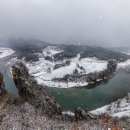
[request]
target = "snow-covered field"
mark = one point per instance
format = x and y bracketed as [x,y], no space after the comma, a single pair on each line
[4,52]
[123,64]
[44,71]
[128,53]
[120,108]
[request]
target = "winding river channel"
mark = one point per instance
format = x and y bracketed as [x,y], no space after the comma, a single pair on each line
[8,81]
[91,97]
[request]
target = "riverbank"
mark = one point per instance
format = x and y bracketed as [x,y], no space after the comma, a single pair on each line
[4,52]
[8,80]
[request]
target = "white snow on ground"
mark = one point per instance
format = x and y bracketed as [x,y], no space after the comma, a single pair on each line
[128,53]
[44,71]
[50,51]
[120,108]
[123,64]
[68,113]
[4,52]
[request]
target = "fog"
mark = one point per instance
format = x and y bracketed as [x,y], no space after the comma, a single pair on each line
[91,22]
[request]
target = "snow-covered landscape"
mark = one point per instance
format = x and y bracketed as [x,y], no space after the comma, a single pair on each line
[120,108]
[44,71]
[64,65]
[4,52]
[123,64]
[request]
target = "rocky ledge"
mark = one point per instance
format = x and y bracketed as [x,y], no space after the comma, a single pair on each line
[35,94]
[2,86]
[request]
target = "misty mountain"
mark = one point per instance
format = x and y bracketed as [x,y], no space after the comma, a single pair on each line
[30,47]
[121,49]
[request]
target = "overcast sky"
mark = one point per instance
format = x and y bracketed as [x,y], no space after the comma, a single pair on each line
[100,22]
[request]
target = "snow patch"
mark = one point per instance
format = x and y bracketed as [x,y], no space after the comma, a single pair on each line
[68,113]
[127,53]
[123,64]
[50,51]
[120,108]
[4,52]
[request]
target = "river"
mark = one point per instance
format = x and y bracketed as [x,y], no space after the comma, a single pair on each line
[91,97]
[8,81]
[94,96]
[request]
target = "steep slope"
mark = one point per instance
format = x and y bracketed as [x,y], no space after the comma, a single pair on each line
[2,87]
[35,94]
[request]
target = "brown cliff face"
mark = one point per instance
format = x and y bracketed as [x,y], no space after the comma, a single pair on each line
[2,89]
[35,94]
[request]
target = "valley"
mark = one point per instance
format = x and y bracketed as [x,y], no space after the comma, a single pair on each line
[49,73]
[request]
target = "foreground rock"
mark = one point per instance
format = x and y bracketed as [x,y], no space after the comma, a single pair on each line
[2,86]
[35,94]
[24,116]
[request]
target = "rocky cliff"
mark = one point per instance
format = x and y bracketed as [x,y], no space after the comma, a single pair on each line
[2,89]
[35,94]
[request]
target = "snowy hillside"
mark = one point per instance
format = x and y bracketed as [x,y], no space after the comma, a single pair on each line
[69,70]
[4,52]
[45,71]
[124,64]
[120,108]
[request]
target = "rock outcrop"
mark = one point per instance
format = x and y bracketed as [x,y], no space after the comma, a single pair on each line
[81,114]
[35,94]
[2,87]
